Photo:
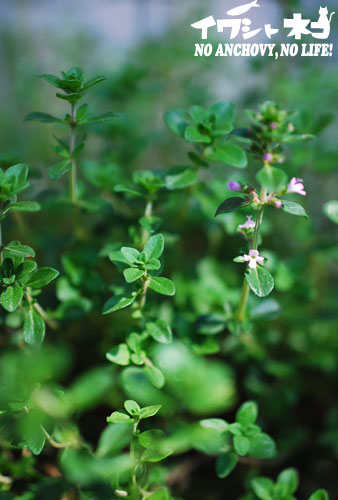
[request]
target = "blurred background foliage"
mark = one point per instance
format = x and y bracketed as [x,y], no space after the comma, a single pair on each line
[288,363]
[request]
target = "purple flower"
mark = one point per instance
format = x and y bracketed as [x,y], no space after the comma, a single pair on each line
[235,186]
[268,157]
[249,224]
[296,186]
[273,125]
[253,258]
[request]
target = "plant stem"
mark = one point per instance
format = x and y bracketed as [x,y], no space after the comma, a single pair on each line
[144,292]
[147,213]
[51,441]
[132,455]
[40,310]
[240,314]
[73,172]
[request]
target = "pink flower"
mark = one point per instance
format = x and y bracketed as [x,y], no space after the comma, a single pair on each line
[291,127]
[249,224]
[273,125]
[278,204]
[296,186]
[253,258]
[268,157]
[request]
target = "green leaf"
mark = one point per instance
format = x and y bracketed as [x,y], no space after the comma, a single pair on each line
[151,223]
[130,254]
[11,297]
[331,210]
[153,265]
[92,82]
[18,250]
[149,411]
[262,446]
[132,407]
[192,134]
[163,286]
[155,455]
[33,436]
[293,208]
[25,206]
[154,247]
[155,375]
[60,150]
[224,113]
[160,331]
[262,487]
[42,117]
[226,462]
[132,274]
[81,112]
[119,355]
[42,277]
[117,302]
[152,438]
[199,115]
[289,478]
[228,153]
[160,494]
[33,327]
[260,281]
[247,413]
[232,204]
[53,80]
[177,121]
[271,178]
[181,180]
[319,495]
[59,169]
[72,98]
[118,417]
[298,138]
[241,445]
[110,115]
[216,424]
[15,179]
[235,429]
[24,270]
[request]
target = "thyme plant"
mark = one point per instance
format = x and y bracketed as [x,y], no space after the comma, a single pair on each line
[162,400]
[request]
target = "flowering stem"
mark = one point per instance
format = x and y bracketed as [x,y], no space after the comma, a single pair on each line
[240,314]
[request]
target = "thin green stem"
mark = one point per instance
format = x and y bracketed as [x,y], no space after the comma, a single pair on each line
[40,310]
[133,457]
[241,310]
[147,213]
[73,172]
[145,285]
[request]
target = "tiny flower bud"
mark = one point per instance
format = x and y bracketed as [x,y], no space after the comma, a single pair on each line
[268,157]
[280,159]
[273,125]
[291,127]
[235,186]
[278,204]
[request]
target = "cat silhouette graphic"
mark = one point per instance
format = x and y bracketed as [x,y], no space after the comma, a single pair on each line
[323,24]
